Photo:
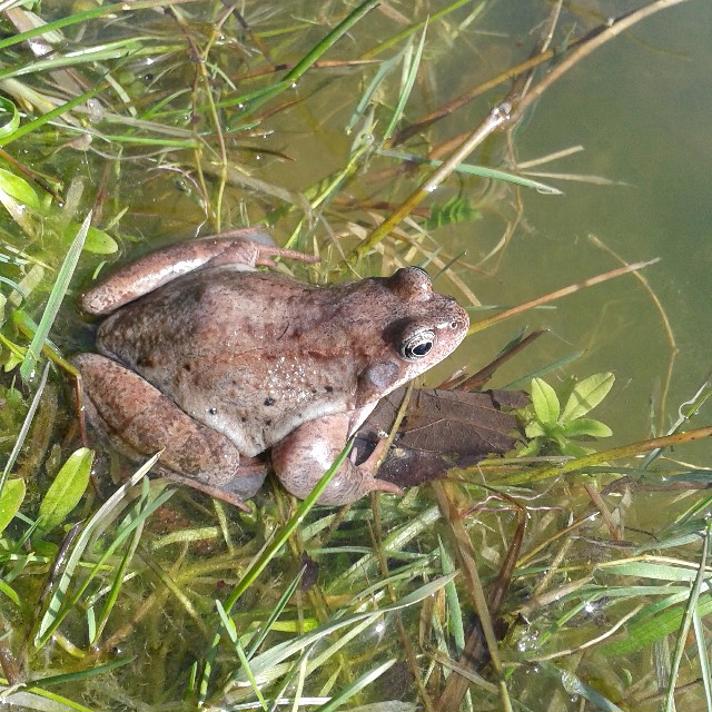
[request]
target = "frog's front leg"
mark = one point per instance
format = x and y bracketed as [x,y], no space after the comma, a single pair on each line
[307,453]
[248,247]
[139,421]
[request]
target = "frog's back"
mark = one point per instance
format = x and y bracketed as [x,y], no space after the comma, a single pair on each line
[250,354]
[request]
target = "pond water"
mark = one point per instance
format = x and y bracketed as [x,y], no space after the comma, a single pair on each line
[639,107]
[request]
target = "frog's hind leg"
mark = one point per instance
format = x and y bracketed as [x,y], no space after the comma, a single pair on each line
[139,420]
[244,249]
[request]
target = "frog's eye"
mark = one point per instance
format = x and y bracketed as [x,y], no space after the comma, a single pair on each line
[417,345]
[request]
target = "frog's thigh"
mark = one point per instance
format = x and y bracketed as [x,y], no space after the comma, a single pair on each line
[139,420]
[307,453]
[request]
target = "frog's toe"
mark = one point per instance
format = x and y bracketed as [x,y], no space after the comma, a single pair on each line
[385,486]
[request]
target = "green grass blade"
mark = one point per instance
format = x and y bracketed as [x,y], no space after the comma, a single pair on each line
[26,423]
[40,121]
[111,50]
[411,64]
[576,687]
[703,656]
[384,69]
[48,701]
[409,31]
[268,554]
[479,171]
[9,117]
[356,686]
[53,617]
[116,584]
[66,677]
[56,295]
[275,613]
[231,630]
[264,665]
[311,57]
[686,622]
[80,17]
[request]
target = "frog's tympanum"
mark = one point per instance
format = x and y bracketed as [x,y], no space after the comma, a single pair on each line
[213,362]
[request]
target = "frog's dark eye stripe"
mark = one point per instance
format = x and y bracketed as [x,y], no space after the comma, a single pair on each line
[417,345]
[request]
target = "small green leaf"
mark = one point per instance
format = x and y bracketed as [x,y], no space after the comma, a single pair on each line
[587,395]
[534,430]
[98,242]
[19,189]
[13,494]
[587,426]
[456,210]
[531,449]
[67,489]
[545,402]
[574,450]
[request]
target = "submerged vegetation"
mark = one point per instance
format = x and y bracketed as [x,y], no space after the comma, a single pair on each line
[529,582]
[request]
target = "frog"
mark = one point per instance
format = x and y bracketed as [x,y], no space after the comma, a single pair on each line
[211,359]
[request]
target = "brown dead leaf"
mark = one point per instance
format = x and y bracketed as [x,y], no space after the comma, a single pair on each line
[441,429]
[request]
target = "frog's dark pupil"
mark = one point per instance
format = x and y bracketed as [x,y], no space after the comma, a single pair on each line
[422,349]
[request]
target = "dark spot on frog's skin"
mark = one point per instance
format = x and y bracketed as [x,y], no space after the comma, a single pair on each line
[145,362]
[269,400]
[329,389]
[268,422]
[186,367]
[244,419]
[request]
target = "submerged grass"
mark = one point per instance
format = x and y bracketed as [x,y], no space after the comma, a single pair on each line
[497,589]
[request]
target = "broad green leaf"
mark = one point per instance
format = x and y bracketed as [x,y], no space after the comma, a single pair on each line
[19,189]
[13,493]
[67,489]
[587,426]
[545,402]
[587,395]
[534,430]
[98,242]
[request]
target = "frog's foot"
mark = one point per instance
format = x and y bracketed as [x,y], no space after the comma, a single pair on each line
[139,420]
[303,456]
[253,247]
[244,248]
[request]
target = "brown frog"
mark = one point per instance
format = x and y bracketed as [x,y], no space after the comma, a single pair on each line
[215,362]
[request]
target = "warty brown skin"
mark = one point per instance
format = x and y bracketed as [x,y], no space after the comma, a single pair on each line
[257,360]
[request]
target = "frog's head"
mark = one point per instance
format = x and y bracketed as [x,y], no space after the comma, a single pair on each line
[417,329]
